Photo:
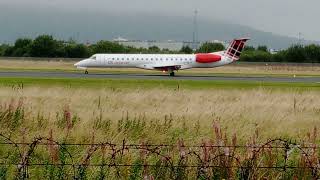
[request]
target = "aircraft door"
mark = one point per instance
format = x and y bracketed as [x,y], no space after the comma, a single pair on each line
[98,60]
[104,60]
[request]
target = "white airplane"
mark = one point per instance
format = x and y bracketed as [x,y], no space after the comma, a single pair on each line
[165,62]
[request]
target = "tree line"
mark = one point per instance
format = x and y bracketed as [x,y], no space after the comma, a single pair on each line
[296,53]
[47,46]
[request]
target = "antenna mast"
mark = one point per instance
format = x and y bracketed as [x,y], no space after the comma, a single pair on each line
[300,38]
[195,31]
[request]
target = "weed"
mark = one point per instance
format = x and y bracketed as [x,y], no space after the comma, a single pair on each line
[3,172]
[136,170]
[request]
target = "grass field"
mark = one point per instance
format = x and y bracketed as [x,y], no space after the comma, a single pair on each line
[276,109]
[231,70]
[172,84]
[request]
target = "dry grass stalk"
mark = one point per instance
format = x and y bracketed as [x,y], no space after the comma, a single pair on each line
[53,148]
[236,110]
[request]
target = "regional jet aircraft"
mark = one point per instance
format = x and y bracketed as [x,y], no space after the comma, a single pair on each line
[165,62]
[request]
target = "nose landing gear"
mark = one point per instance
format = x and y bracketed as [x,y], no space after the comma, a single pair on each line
[86,72]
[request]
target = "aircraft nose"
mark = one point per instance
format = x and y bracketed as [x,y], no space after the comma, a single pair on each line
[79,64]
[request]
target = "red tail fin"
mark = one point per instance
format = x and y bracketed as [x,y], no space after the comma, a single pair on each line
[235,48]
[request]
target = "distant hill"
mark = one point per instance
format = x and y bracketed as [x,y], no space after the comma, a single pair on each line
[97,26]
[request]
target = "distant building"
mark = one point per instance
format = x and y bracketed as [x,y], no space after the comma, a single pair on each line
[273,51]
[224,43]
[120,39]
[169,44]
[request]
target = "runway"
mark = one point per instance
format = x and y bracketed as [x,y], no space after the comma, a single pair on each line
[160,77]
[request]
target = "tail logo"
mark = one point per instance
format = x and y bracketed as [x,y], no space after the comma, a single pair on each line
[235,48]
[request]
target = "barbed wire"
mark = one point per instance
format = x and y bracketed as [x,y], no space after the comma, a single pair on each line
[155,165]
[207,156]
[162,145]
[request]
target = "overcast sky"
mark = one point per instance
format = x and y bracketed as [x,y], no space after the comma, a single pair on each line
[285,17]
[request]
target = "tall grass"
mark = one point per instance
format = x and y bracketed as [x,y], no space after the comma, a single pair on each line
[137,113]
[219,157]
[216,121]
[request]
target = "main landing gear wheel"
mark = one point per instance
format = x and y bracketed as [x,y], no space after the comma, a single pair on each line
[86,72]
[172,74]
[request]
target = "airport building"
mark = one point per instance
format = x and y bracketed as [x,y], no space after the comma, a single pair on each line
[169,44]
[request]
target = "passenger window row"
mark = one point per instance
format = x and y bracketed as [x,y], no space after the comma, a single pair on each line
[157,59]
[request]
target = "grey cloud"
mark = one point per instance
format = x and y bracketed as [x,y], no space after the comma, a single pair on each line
[286,17]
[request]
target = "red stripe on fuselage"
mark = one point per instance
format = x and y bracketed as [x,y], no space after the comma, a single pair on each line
[207,58]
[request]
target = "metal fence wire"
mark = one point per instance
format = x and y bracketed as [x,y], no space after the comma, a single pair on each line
[45,158]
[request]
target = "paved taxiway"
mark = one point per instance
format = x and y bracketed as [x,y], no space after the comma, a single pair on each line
[159,77]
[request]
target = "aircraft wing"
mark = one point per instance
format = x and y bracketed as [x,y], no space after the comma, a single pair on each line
[165,67]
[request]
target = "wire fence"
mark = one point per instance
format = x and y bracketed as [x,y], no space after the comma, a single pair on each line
[45,158]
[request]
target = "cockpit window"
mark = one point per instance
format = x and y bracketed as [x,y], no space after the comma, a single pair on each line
[93,57]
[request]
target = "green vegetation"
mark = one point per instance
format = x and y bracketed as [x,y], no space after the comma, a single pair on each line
[295,53]
[210,47]
[186,50]
[69,131]
[150,84]
[47,46]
